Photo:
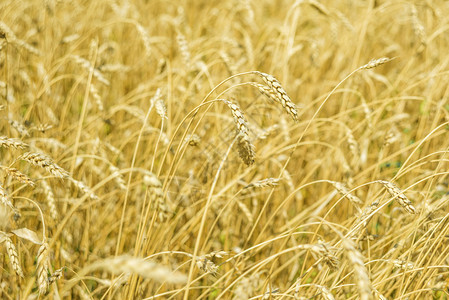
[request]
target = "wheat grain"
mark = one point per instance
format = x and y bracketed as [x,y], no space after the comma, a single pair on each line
[278,91]
[50,199]
[267,182]
[375,63]
[84,63]
[360,271]
[246,211]
[13,256]
[145,39]
[45,162]
[140,266]
[400,197]
[157,198]
[4,199]
[56,275]
[418,28]
[10,142]
[42,268]
[343,190]
[245,148]
[206,265]
[84,188]
[19,127]
[183,48]
[19,176]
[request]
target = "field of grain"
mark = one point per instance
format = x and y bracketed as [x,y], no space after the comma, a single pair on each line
[234,149]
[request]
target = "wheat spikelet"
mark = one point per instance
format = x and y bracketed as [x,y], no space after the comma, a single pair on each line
[19,127]
[375,63]
[353,145]
[367,212]
[192,140]
[14,143]
[319,7]
[327,295]
[56,275]
[4,199]
[114,68]
[418,28]
[392,136]
[98,101]
[398,195]
[13,256]
[12,38]
[50,199]
[43,161]
[246,211]
[245,148]
[19,176]
[343,190]
[361,273]
[157,101]
[84,188]
[117,177]
[7,32]
[183,48]
[227,61]
[42,127]
[84,63]
[42,268]
[280,94]
[267,182]
[322,250]
[157,196]
[379,295]
[402,264]
[140,266]
[145,39]
[70,38]
[206,265]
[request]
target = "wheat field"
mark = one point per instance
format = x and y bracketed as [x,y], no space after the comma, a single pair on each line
[234,149]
